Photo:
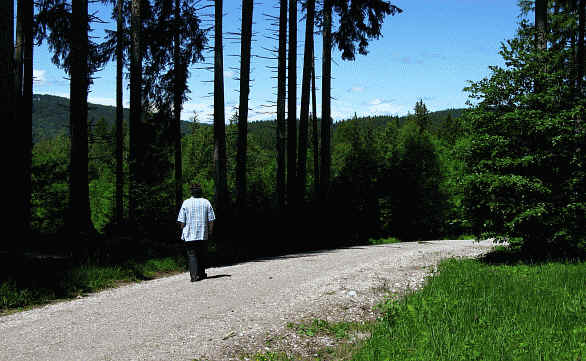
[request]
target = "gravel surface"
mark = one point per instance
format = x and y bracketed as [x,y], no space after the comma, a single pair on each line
[231,314]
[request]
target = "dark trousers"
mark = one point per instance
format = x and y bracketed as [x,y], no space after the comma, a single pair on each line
[196,257]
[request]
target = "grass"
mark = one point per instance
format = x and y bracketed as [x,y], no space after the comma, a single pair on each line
[66,283]
[388,240]
[477,311]
[490,309]
[339,330]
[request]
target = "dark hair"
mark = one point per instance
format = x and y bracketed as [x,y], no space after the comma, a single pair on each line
[195,190]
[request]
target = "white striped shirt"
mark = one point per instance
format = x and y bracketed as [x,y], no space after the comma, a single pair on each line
[195,214]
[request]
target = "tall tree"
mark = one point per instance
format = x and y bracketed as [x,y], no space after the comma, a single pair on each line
[281,98]
[580,54]
[67,27]
[178,86]
[292,103]
[135,119]
[326,120]
[541,23]
[120,46]
[7,97]
[27,104]
[305,100]
[79,207]
[222,198]
[314,125]
[359,21]
[245,46]
[524,147]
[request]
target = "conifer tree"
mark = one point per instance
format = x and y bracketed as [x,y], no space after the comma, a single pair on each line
[245,48]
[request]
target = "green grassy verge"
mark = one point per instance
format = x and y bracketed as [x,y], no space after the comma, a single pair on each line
[68,283]
[375,241]
[470,310]
[477,311]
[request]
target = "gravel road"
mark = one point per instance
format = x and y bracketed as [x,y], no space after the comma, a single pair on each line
[233,311]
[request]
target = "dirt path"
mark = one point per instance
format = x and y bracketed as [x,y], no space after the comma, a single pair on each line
[173,319]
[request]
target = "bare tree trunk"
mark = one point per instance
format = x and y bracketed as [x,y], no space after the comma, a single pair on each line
[326,120]
[79,220]
[18,56]
[292,103]
[27,104]
[580,60]
[7,79]
[135,105]
[314,125]
[177,105]
[245,46]
[119,203]
[305,94]
[281,95]
[541,23]
[219,116]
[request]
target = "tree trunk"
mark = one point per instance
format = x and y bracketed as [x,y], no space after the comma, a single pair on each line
[7,86]
[541,35]
[281,95]
[305,94]
[314,124]
[219,116]
[134,125]
[27,105]
[292,103]
[18,56]
[245,46]
[177,105]
[580,60]
[79,220]
[541,23]
[119,207]
[326,120]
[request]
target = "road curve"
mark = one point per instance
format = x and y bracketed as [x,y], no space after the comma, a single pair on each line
[173,319]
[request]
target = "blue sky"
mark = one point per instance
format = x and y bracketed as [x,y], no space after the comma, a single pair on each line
[428,52]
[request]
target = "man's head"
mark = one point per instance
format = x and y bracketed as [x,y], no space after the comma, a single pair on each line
[195,190]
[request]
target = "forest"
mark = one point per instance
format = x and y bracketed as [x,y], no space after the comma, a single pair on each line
[105,183]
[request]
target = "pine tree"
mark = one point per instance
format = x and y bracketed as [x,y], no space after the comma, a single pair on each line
[245,47]
[281,98]
[305,100]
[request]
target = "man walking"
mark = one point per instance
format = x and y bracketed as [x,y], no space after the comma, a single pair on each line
[196,224]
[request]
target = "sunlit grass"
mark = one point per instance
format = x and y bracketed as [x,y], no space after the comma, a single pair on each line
[475,311]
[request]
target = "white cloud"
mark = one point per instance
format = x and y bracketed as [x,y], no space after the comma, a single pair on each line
[228,74]
[101,100]
[356,89]
[39,76]
[385,107]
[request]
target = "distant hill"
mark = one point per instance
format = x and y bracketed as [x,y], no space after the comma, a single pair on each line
[51,118]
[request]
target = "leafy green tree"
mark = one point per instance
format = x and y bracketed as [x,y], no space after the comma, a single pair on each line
[414,178]
[524,156]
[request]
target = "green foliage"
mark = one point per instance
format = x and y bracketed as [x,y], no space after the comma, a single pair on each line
[339,330]
[49,184]
[474,311]
[524,156]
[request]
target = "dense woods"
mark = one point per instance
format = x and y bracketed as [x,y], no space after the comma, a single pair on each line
[509,167]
